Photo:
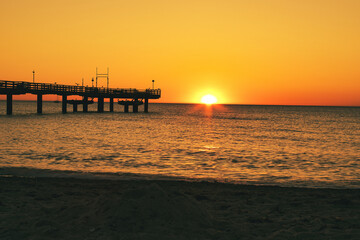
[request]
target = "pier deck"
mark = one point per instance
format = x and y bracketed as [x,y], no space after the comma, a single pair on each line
[10,88]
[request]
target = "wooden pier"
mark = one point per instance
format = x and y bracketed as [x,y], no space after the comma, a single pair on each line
[132,96]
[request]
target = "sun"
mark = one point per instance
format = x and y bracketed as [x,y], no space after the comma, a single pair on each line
[209,99]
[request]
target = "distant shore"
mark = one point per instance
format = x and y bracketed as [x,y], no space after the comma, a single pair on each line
[69,208]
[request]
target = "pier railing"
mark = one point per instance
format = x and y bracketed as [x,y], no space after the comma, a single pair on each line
[18,87]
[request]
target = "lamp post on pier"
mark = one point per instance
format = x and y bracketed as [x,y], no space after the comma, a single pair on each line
[153,81]
[33,76]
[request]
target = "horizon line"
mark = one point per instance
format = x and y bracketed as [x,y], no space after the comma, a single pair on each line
[219,104]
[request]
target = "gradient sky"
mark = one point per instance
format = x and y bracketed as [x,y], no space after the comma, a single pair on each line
[302,52]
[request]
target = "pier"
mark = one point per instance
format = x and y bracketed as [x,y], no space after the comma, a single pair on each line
[132,97]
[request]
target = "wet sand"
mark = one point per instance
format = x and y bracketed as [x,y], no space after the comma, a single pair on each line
[69,208]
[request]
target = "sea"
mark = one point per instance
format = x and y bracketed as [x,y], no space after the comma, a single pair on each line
[290,146]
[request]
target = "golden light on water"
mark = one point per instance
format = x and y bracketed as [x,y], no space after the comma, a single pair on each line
[209,99]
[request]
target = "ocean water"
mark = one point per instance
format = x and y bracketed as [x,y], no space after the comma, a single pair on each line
[266,145]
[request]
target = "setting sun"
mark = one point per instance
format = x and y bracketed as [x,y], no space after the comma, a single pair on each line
[209,99]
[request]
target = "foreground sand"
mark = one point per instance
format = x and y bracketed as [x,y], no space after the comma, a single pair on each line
[67,208]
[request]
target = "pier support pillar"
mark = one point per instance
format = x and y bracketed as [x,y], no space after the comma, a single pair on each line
[74,107]
[9,104]
[111,104]
[39,103]
[126,108]
[135,108]
[85,104]
[64,102]
[146,105]
[100,104]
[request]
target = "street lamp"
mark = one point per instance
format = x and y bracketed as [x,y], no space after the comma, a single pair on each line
[153,81]
[33,76]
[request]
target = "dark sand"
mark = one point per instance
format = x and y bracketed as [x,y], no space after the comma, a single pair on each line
[67,208]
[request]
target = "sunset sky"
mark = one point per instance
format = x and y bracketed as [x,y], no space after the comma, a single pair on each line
[298,52]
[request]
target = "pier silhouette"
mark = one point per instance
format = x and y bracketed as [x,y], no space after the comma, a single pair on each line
[132,97]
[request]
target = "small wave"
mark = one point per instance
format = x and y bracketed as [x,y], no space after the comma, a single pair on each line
[242,118]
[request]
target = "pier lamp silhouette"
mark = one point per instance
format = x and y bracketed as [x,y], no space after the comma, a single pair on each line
[92,82]
[153,81]
[33,76]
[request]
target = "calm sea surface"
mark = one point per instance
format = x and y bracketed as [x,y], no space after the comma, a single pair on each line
[277,145]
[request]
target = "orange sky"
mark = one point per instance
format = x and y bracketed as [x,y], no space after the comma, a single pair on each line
[302,52]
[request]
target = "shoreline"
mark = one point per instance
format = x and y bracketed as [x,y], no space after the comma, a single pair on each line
[69,208]
[119,176]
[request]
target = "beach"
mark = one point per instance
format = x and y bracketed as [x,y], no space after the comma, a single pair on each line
[75,208]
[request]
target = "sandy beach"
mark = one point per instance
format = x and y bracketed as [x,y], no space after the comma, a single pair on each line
[69,208]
